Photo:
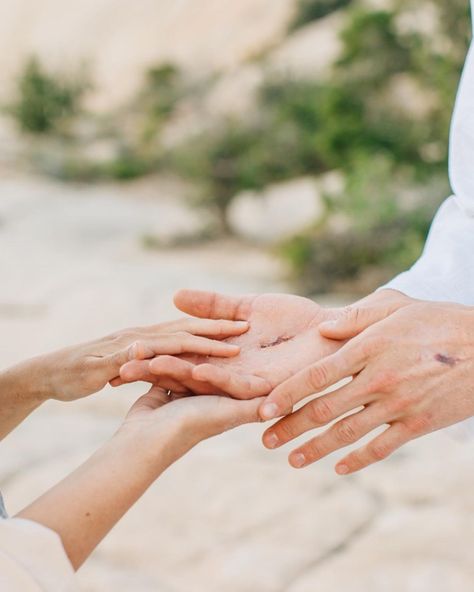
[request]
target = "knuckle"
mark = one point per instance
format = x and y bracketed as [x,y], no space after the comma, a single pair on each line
[356,315]
[284,401]
[378,451]
[399,404]
[320,412]
[385,381]
[346,432]
[317,376]
[370,344]
[285,430]
[313,450]
[419,425]
[348,313]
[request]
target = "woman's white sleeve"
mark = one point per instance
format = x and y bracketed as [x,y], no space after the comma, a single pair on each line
[445,270]
[32,558]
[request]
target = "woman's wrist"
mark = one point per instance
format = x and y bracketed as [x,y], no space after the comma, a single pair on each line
[159,443]
[25,383]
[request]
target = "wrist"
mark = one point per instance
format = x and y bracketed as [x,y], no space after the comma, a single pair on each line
[25,382]
[155,442]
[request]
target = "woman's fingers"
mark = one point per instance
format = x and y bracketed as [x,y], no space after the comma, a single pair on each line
[240,386]
[181,343]
[317,413]
[231,413]
[345,432]
[378,449]
[153,399]
[210,305]
[139,371]
[182,372]
[349,360]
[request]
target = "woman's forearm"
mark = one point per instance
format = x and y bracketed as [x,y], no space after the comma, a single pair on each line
[85,506]
[21,392]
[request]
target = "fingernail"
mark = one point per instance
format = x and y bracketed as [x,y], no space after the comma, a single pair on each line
[242,324]
[269,411]
[272,440]
[342,469]
[298,460]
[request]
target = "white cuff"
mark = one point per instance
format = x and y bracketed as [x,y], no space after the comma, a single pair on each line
[30,552]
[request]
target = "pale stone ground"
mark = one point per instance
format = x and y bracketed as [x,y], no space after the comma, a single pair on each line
[231,516]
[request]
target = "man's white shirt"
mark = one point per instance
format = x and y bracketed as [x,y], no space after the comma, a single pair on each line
[445,271]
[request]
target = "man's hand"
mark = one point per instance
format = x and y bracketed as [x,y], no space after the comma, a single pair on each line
[353,319]
[413,371]
[283,338]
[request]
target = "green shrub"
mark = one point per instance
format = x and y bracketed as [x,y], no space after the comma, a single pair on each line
[222,163]
[162,89]
[44,101]
[126,166]
[312,10]
[369,227]
[351,123]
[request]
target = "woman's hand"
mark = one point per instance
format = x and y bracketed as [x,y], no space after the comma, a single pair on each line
[157,431]
[187,420]
[82,370]
[413,371]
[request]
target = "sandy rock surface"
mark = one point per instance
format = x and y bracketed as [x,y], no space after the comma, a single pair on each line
[119,39]
[231,516]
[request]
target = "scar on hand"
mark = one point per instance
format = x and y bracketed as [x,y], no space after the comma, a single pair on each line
[448,360]
[276,342]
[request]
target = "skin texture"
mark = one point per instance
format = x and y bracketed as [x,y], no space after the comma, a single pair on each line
[156,432]
[283,338]
[412,371]
[84,369]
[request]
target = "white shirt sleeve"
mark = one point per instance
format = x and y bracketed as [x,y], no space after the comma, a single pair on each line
[32,558]
[445,271]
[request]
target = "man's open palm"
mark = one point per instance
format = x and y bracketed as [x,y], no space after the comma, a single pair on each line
[282,339]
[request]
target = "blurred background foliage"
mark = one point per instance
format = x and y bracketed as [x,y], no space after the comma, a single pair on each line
[379,118]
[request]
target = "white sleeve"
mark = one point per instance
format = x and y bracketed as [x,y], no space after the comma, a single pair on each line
[32,558]
[445,270]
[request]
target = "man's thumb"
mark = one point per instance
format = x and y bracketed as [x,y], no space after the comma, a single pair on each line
[352,321]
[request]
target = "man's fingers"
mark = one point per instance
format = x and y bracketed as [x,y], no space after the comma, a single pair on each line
[214,328]
[378,449]
[210,305]
[349,360]
[343,433]
[317,413]
[232,383]
[181,343]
